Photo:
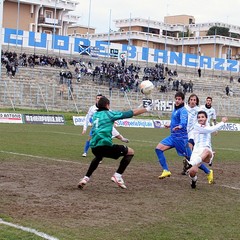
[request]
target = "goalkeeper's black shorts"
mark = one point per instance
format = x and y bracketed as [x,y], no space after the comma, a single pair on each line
[115,151]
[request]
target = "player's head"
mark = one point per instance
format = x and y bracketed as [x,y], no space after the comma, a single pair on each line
[202,117]
[179,98]
[193,100]
[209,101]
[103,103]
[98,97]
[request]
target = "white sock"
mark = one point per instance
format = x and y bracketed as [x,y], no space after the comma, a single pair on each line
[194,178]
[117,175]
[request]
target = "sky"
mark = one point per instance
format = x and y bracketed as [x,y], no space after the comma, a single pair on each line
[104,12]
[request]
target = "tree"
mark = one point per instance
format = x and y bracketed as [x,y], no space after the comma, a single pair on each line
[222,31]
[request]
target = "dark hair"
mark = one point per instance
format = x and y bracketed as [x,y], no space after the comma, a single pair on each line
[209,98]
[202,112]
[103,102]
[180,94]
[194,95]
[99,95]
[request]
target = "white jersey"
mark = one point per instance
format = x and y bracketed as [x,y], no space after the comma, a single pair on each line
[89,116]
[192,119]
[211,113]
[202,134]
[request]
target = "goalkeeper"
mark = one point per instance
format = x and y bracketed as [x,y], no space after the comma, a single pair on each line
[88,118]
[101,142]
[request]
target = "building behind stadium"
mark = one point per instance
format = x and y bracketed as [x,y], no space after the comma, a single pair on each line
[178,33]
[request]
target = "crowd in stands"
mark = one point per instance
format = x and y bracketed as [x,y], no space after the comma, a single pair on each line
[117,75]
[12,61]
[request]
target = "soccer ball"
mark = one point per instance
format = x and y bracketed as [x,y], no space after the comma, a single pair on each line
[146,87]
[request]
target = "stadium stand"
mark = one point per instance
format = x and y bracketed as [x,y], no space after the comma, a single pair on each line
[39,87]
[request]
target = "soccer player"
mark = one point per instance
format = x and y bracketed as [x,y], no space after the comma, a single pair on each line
[88,118]
[193,109]
[178,138]
[202,151]
[211,113]
[101,142]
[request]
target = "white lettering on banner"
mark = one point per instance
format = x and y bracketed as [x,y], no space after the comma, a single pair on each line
[135,123]
[68,45]
[164,105]
[146,123]
[230,127]
[79,121]
[11,118]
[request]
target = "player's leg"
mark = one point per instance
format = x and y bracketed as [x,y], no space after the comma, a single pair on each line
[198,157]
[116,134]
[127,153]
[185,161]
[92,167]
[194,162]
[164,145]
[87,145]
[207,156]
[193,175]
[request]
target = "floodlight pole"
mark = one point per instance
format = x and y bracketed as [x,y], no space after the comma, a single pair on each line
[18,12]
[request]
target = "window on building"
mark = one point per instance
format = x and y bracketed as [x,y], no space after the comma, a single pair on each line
[48,14]
[192,50]
[190,21]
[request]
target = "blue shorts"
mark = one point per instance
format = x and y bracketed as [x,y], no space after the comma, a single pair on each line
[90,133]
[180,144]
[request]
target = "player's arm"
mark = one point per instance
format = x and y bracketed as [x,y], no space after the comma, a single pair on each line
[139,111]
[210,129]
[116,115]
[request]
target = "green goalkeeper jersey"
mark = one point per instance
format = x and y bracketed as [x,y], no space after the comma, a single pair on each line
[102,125]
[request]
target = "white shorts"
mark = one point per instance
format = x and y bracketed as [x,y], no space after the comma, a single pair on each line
[115,132]
[196,153]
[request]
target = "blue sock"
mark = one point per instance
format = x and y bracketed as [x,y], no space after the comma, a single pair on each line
[87,144]
[204,168]
[161,158]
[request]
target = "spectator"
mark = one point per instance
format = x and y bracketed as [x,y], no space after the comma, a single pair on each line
[185,87]
[227,90]
[199,72]
[190,86]
[231,79]
[13,70]
[177,85]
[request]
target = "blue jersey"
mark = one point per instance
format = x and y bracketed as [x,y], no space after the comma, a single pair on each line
[179,138]
[179,118]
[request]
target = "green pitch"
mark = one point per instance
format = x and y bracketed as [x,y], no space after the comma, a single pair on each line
[148,209]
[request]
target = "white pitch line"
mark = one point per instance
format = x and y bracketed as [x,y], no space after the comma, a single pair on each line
[30,230]
[144,141]
[40,157]
[226,186]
